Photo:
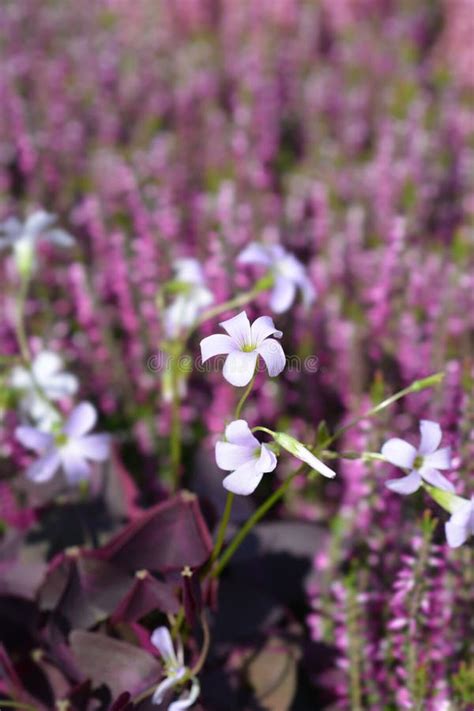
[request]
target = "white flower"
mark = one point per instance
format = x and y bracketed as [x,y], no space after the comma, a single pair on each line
[175,671]
[461,524]
[245,457]
[191,300]
[23,237]
[45,381]
[243,344]
[423,462]
[288,272]
[71,448]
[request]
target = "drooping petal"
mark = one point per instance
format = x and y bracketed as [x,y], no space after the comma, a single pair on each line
[263,327]
[186,701]
[244,480]
[162,688]
[231,456]
[75,466]
[239,367]
[238,329]
[267,460]
[462,513]
[399,452]
[238,432]
[273,355]
[81,420]
[297,449]
[161,639]
[435,478]
[38,222]
[430,436]
[45,468]
[283,294]
[95,447]
[455,535]
[255,254]
[441,459]
[218,344]
[34,439]
[406,484]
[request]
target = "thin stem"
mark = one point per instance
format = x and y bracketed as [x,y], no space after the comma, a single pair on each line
[261,286]
[20,320]
[413,388]
[222,528]
[252,521]
[244,397]
[175,436]
[17,705]
[205,646]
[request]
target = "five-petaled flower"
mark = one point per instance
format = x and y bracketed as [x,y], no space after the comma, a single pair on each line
[243,344]
[288,273]
[71,448]
[461,524]
[175,672]
[44,381]
[423,463]
[23,237]
[192,297]
[245,457]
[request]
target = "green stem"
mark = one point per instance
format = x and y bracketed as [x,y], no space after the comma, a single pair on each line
[413,388]
[252,521]
[20,321]
[222,527]
[241,300]
[17,705]
[175,434]
[244,397]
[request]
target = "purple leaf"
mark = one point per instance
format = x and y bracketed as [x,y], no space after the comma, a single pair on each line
[145,595]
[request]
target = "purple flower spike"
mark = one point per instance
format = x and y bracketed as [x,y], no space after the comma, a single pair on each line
[423,462]
[461,524]
[72,448]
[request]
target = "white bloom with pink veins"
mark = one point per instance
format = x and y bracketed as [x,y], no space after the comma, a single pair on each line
[72,448]
[461,524]
[244,456]
[288,273]
[423,463]
[243,344]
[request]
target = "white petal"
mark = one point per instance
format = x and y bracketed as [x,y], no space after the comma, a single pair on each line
[189,271]
[32,438]
[95,447]
[263,327]
[308,291]
[20,378]
[217,344]
[11,227]
[456,535]
[238,329]
[244,480]
[203,297]
[45,365]
[297,449]
[60,238]
[462,513]
[255,254]
[238,432]
[430,436]
[38,222]
[283,294]
[45,468]
[231,456]
[61,385]
[187,701]
[81,420]
[435,478]
[161,639]
[162,688]
[441,459]
[399,452]
[239,367]
[75,466]
[273,355]
[267,460]
[406,484]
